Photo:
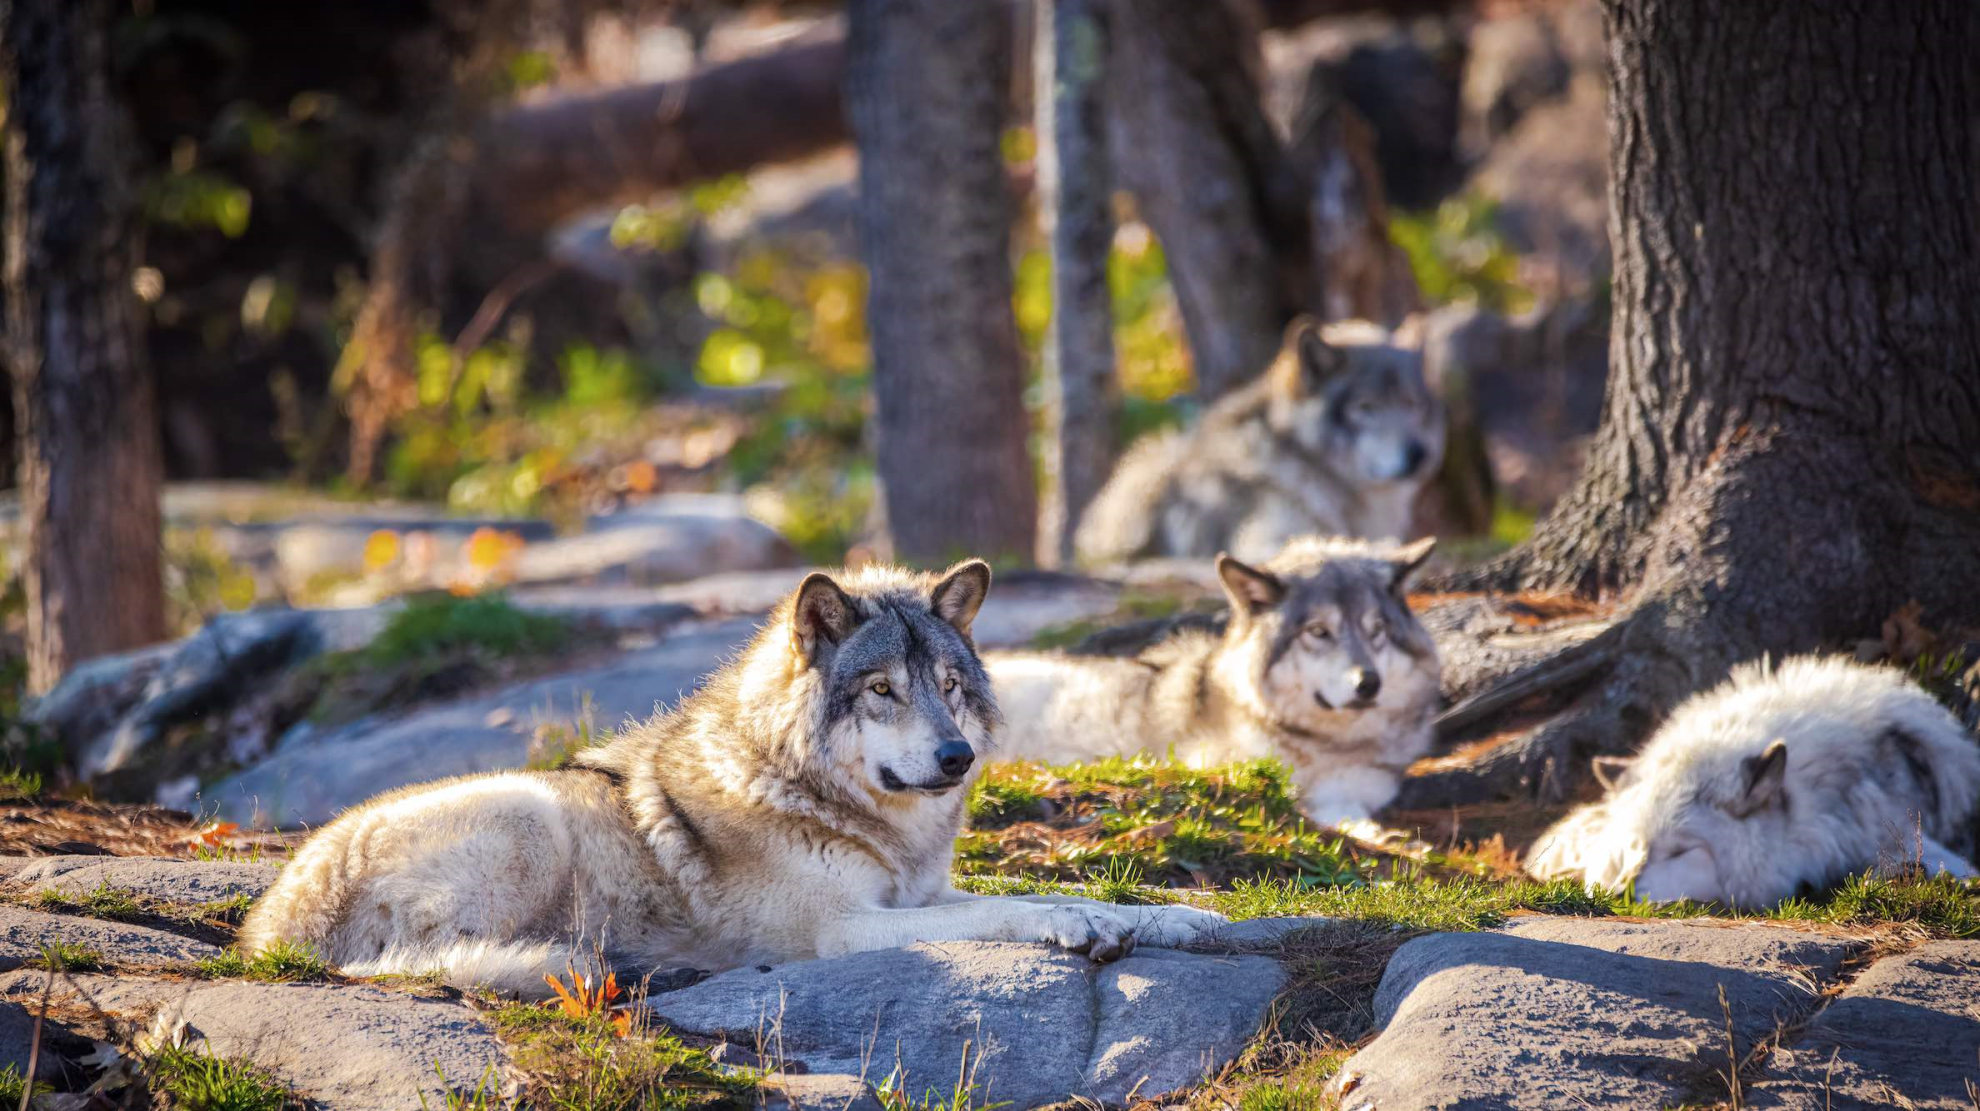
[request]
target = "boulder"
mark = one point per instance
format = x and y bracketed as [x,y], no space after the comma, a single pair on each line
[312,774]
[1030,1024]
[1906,1033]
[24,932]
[188,883]
[1568,1012]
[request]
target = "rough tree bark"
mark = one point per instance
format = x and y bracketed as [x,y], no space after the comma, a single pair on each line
[1790,449]
[84,412]
[1082,392]
[1192,142]
[925,91]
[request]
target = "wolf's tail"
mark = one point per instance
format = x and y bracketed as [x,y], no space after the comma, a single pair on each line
[504,966]
[1121,521]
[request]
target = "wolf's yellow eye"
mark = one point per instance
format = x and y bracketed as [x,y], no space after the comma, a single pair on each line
[1319,632]
[882,688]
[949,684]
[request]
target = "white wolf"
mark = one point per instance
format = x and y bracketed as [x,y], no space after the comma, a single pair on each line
[1322,665]
[1335,438]
[804,803]
[1779,780]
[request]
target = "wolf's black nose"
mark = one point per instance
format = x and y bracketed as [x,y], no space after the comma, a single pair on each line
[1413,457]
[955,757]
[1367,684]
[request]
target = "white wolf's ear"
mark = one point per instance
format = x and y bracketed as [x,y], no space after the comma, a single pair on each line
[960,593]
[1313,360]
[1609,769]
[822,612]
[1765,778]
[1250,589]
[1408,563]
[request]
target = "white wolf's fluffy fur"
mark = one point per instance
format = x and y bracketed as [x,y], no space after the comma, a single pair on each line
[792,808]
[1337,437]
[1252,692]
[1874,773]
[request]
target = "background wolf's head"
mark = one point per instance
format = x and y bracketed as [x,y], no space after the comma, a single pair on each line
[1322,629]
[1357,403]
[900,701]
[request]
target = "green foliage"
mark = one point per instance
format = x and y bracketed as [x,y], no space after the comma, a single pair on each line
[19,786]
[105,901]
[1117,818]
[1939,903]
[13,1087]
[588,1064]
[438,624]
[195,199]
[1134,605]
[282,962]
[202,580]
[191,1080]
[65,956]
[1459,255]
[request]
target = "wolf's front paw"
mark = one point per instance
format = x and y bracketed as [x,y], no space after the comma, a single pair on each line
[1100,934]
[1171,927]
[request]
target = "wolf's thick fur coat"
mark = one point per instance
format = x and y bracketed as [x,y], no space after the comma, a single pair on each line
[1335,438]
[1322,665]
[1780,780]
[803,803]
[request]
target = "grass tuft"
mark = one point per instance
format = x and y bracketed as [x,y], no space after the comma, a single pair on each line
[13,1087]
[281,962]
[66,956]
[588,1064]
[113,903]
[194,1081]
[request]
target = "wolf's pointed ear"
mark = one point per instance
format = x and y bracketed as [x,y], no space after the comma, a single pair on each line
[821,614]
[1765,778]
[1408,563]
[1250,589]
[1609,769]
[960,593]
[1306,362]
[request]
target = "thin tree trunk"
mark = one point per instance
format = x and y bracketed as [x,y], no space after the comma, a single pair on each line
[1082,394]
[1790,449]
[925,92]
[1192,142]
[84,412]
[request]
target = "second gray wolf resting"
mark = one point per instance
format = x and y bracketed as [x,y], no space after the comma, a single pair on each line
[804,803]
[1778,781]
[1335,438]
[1322,665]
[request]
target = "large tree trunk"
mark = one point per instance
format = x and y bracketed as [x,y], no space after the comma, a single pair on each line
[1082,393]
[1194,146]
[1791,444]
[89,456]
[925,93]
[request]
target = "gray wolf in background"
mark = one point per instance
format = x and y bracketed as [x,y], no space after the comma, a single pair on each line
[1778,780]
[804,803]
[1335,439]
[1321,665]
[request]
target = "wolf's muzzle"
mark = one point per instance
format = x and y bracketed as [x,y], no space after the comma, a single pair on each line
[954,758]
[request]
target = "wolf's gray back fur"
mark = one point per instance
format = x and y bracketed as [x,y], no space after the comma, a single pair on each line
[1780,780]
[1321,664]
[1335,438]
[803,803]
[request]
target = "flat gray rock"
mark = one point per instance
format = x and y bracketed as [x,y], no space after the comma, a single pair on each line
[312,775]
[1905,1034]
[24,932]
[189,883]
[671,538]
[1573,1012]
[16,1036]
[345,1046]
[1036,1024]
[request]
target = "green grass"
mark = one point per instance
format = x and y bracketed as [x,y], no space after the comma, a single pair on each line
[65,956]
[282,962]
[1174,825]
[224,911]
[19,786]
[437,624]
[1135,605]
[13,1086]
[194,1081]
[115,904]
[583,1064]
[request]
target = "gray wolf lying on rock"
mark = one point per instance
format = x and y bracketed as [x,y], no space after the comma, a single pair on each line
[803,803]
